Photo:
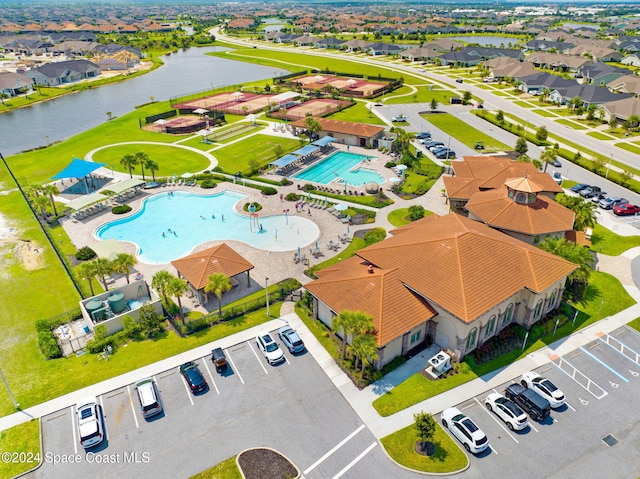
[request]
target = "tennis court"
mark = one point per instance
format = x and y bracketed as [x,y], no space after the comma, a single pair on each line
[317,107]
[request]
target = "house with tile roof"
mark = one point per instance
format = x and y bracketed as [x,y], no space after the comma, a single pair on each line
[347,132]
[444,279]
[197,267]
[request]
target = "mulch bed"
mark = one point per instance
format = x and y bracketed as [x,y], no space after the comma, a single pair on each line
[429,448]
[265,464]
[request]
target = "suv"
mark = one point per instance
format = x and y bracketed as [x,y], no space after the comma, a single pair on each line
[579,187]
[446,153]
[423,135]
[590,191]
[465,430]
[507,410]
[399,118]
[269,348]
[530,401]
[544,387]
[148,397]
[291,339]
[611,202]
[89,422]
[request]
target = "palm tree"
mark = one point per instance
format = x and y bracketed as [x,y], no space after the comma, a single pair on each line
[584,210]
[177,287]
[129,162]
[548,156]
[313,126]
[152,166]
[573,252]
[160,282]
[103,268]
[50,190]
[123,264]
[351,322]
[341,322]
[141,159]
[41,202]
[87,271]
[218,284]
[365,348]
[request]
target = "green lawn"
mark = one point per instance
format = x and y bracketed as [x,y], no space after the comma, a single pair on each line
[447,456]
[425,94]
[607,242]
[502,93]
[605,296]
[635,324]
[545,113]
[235,157]
[24,438]
[571,124]
[462,131]
[399,217]
[358,112]
[227,469]
[524,104]
[629,147]
[600,136]
[42,94]
[167,156]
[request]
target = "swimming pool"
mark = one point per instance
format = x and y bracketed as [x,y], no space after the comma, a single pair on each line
[170,226]
[341,165]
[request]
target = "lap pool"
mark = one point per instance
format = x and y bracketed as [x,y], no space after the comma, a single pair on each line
[169,226]
[341,165]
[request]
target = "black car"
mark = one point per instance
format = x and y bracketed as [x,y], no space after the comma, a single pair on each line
[422,135]
[430,143]
[193,376]
[446,153]
[579,187]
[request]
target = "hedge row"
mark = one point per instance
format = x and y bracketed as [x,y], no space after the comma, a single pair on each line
[46,340]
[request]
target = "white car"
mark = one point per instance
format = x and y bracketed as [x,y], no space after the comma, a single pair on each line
[89,422]
[544,387]
[269,348]
[507,410]
[463,428]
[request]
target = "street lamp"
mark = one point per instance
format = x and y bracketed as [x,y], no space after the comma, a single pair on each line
[266,289]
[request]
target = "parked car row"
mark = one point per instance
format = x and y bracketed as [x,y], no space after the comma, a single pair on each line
[535,396]
[434,146]
[620,206]
[89,415]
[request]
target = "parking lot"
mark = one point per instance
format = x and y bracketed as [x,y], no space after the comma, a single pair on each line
[292,407]
[594,435]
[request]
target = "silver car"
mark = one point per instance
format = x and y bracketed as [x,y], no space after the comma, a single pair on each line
[148,397]
[611,202]
[291,339]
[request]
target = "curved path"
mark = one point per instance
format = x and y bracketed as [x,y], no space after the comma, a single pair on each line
[213,162]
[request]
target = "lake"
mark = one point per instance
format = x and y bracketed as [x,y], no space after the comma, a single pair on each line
[183,72]
[487,40]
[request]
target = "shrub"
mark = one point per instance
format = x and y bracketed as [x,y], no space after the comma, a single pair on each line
[120,209]
[416,212]
[48,345]
[197,324]
[268,190]
[374,236]
[286,182]
[85,253]
[390,164]
[292,197]
[208,184]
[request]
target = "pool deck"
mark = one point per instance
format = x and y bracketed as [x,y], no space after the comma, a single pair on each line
[276,266]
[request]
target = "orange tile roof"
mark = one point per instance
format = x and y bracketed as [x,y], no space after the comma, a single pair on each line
[524,184]
[464,266]
[395,309]
[197,267]
[543,216]
[458,188]
[344,127]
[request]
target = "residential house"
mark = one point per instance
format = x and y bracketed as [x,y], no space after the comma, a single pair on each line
[12,84]
[632,60]
[589,94]
[348,132]
[420,54]
[329,42]
[379,48]
[59,73]
[507,67]
[549,46]
[557,61]
[596,53]
[621,109]
[73,48]
[305,40]
[460,58]
[538,82]
[357,45]
[599,73]
[629,47]
[25,46]
[122,60]
[443,279]
[625,84]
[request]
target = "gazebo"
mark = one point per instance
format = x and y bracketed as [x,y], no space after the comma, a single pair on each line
[197,267]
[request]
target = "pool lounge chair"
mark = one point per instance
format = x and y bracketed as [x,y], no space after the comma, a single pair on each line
[346,219]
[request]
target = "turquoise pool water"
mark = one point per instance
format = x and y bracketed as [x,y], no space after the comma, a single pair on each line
[170,226]
[343,165]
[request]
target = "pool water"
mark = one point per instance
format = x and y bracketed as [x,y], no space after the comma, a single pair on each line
[341,165]
[170,226]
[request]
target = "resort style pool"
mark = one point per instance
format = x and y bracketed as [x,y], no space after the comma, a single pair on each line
[344,165]
[169,226]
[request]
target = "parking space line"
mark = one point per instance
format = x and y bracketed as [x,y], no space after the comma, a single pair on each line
[51,418]
[186,388]
[631,330]
[133,409]
[164,410]
[167,375]
[605,365]
[331,451]
[73,428]
[498,421]
[577,372]
[530,425]
[633,357]
[234,366]
[116,394]
[210,375]
[355,461]
[258,358]
[493,449]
